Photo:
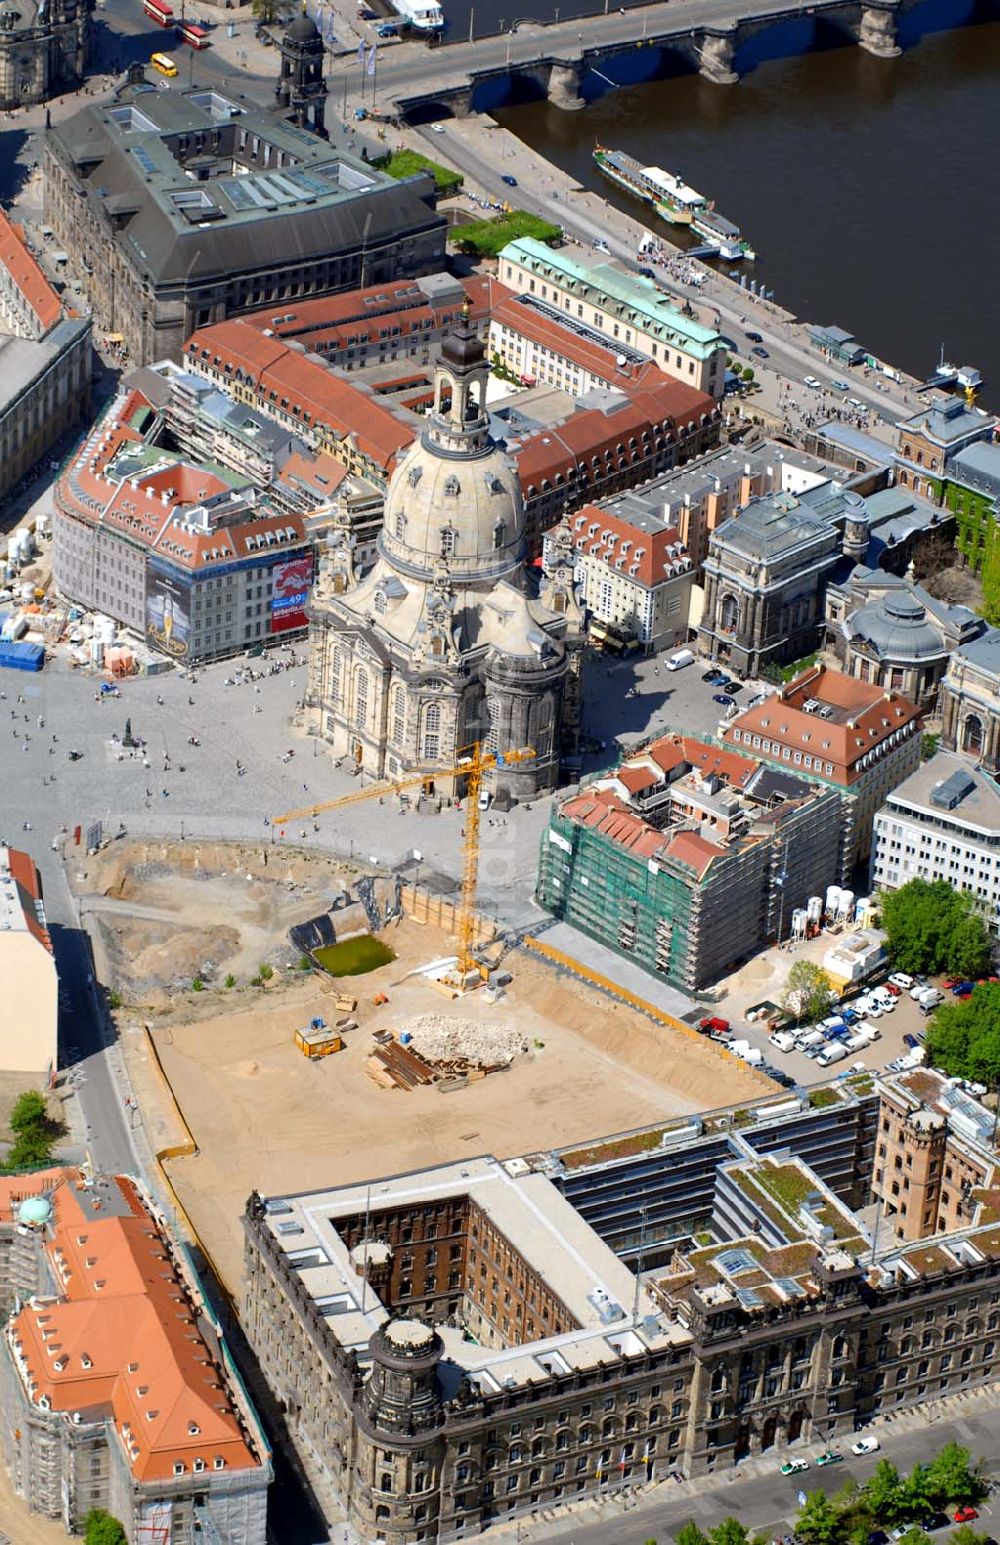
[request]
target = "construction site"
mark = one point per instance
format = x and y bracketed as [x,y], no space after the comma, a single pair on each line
[423,1074]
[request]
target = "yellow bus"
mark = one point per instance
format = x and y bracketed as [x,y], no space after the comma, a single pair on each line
[164,64]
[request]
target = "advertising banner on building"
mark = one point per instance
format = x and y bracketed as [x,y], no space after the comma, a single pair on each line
[292,580]
[168,612]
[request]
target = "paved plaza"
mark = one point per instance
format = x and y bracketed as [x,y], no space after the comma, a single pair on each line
[198,792]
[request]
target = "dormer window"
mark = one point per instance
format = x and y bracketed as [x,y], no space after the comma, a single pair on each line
[414,475]
[449,540]
[399,527]
[178,1467]
[452,487]
[499,535]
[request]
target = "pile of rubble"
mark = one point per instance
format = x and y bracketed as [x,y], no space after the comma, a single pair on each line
[464,1043]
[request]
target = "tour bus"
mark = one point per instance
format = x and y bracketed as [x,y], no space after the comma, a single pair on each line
[164,64]
[189,32]
[159,11]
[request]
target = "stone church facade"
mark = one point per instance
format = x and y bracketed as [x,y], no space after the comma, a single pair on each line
[442,643]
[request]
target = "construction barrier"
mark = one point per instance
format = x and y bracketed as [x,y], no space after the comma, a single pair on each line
[642,1005]
[423,907]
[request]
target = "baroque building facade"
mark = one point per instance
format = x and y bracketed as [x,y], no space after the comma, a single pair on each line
[441,643]
[43,49]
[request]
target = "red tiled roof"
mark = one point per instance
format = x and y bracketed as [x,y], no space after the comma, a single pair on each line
[27,275]
[126,1333]
[328,324]
[866,717]
[315,392]
[626,548]
[690,849]
[28,881]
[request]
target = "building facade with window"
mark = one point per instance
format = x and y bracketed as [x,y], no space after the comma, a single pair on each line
[970,701]
[623,309]
[460,1347]
[634,576]
[858,738]
[118,1388]
[181,552]
[185,207]
[942,823]
[442,643]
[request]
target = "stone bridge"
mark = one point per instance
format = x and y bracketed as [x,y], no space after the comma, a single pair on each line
[555,58]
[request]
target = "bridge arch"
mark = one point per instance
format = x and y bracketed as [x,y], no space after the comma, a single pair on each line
[510,89]
[428,112]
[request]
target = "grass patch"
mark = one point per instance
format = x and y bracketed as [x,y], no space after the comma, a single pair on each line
[786,1184]
[407,163]
[820,1098]
[353,957]
[487,238]
[620,1148]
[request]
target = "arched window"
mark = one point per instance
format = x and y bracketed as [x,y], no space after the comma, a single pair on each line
[399,716]
[499,534]
[729,614]
[432,732]
[380,602]
[361,699]
[399,527]
[972,735]
[336,674]
[448,541]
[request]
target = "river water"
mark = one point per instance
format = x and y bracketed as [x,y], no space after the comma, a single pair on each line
[870,189]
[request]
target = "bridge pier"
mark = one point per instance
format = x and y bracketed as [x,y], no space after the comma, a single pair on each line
[564,87]
[716,54]
[460,103]
[877,32]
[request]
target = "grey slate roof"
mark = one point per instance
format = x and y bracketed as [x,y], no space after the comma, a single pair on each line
[768,527]
[132,154]
[978,465]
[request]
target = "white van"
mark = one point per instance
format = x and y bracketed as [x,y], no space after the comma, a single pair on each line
[678,661]
[930,997]
[809,1038]
[831,1054]
[784,1040]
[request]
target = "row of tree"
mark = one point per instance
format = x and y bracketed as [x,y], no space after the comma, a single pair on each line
[852,1515]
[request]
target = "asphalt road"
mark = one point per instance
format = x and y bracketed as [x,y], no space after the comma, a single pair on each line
[764,1500]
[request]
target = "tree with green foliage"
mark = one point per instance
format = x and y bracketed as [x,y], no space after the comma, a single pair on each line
[487,238]
[931,927]
[266,11]
[33,1133]
[729,1532]
[928,745]
[883,1493]
[916,1536]
[963,1038]
[951,1477]
[99,1528]
[748,374]
[690,1534]
[917,1494]
[966,1535]
[808,994]
[819,1521]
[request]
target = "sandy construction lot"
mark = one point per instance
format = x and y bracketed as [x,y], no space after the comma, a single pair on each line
[265,1118]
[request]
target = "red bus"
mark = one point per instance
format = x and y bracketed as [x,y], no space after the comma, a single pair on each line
[190,32]
[159,11]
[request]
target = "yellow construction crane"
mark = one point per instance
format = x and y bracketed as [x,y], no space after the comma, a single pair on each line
[473,762]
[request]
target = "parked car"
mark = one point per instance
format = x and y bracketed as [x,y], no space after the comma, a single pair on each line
[794,1466]
[935,1521]
[963,989]
[850,1016]
[646,273]
[910,1040]
[965,1514]
[831,1457]
[720,697]
[866,1446]
[893,989]
[900,979]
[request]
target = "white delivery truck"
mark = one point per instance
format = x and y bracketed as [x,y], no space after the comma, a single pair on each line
[680,659]
[929,999]
[746,1052]
[831,1054]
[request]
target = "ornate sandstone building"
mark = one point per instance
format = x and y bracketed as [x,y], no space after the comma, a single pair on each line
[455,1347]
[43,48]
[441,643]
